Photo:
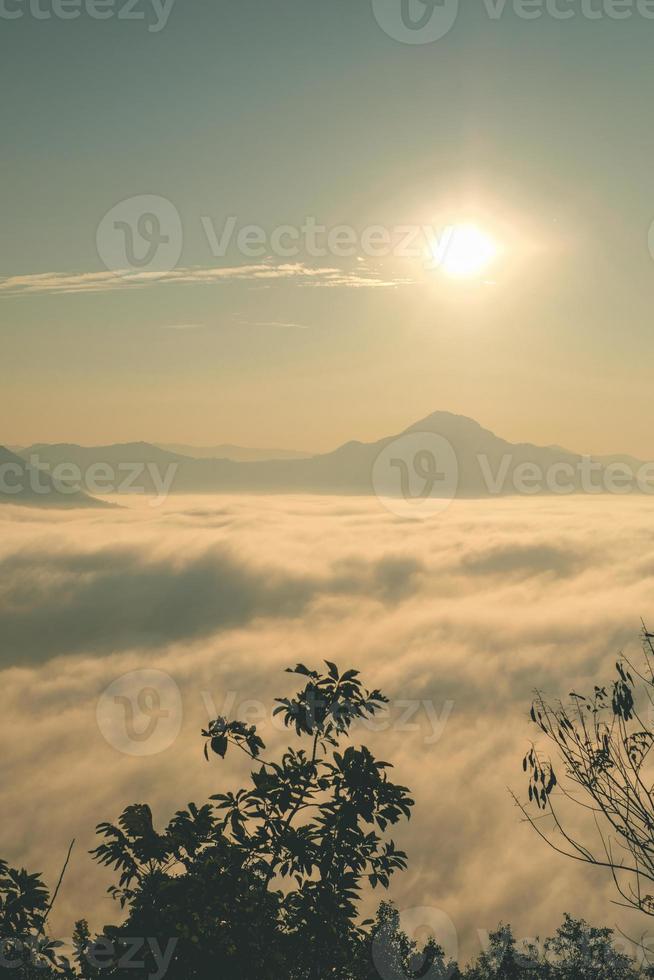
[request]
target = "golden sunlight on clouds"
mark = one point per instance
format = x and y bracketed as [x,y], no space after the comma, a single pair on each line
[456,619]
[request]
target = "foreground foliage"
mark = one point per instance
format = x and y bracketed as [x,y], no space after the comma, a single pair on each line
[265,881]
[604,743]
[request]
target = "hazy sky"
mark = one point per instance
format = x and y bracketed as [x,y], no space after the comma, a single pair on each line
[538,131]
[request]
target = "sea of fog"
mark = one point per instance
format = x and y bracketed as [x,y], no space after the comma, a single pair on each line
[201,603]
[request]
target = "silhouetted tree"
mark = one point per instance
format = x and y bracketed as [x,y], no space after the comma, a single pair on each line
[604,744]
[502,960]
[265,881]
[582,952]
[394,956]
[25,950]
[577,951]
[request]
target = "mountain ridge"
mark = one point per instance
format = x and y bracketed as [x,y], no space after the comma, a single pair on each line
[481,459]
[21,483]
[229,450]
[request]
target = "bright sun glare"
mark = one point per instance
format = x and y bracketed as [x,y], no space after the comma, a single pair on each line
[464,251]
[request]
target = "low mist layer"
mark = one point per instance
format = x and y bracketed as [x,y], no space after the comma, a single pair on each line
[457,619]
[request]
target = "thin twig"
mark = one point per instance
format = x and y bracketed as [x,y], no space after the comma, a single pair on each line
[56,891]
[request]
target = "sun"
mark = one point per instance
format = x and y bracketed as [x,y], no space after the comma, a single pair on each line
[464,251]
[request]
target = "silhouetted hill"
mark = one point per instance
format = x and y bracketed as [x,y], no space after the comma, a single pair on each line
[239,454]
[115,454]
[21,483]
[487,465]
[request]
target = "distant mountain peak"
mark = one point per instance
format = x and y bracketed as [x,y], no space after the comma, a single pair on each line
[449,419]
[487,465]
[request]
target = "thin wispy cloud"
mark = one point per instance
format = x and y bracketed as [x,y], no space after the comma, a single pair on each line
[92,282]
[280,323]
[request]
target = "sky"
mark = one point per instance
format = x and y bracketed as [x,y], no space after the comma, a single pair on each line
[537,131]
[275,223]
